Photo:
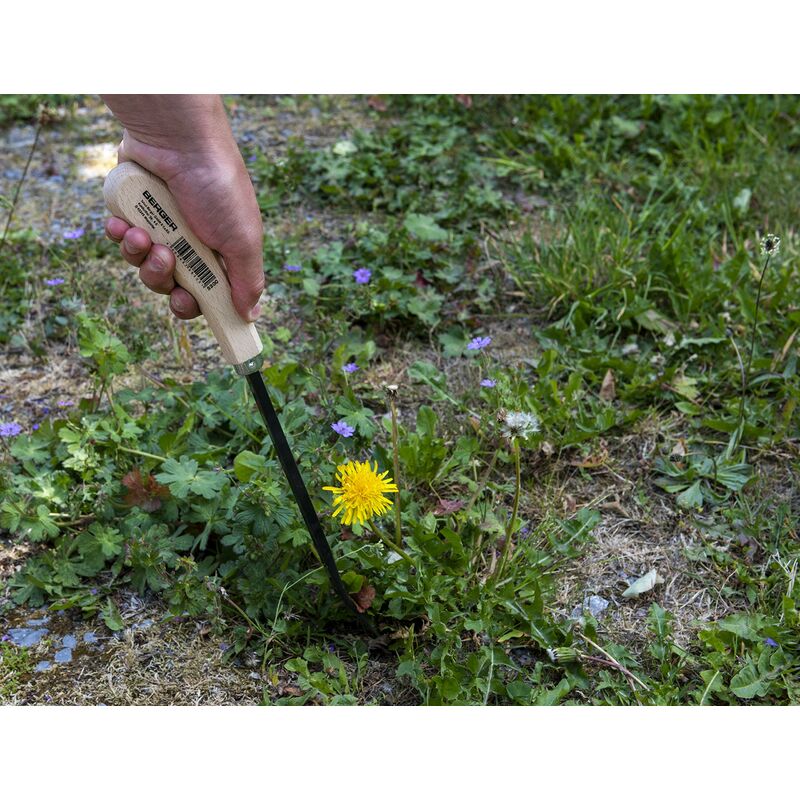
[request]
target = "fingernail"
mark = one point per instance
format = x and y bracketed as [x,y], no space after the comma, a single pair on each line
[157,263]
[254,312]
[132,248]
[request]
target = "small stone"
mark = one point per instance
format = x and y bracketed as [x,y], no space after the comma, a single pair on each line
[27,637]
[594,605]
[90,637]
[42,666]
[64,656]
[69,641]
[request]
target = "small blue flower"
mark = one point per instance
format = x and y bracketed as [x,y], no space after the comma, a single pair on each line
[350,368]
[771,642]
[479,342]
[54,281]
[10,429]
[343,429]
[76,233]
[488,383]
[292,267]
[35,426]
[362,275]
[65,403]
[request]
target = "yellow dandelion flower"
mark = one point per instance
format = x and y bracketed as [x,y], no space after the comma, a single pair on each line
[361,494]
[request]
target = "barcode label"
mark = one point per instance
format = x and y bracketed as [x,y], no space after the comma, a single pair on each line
[186,253]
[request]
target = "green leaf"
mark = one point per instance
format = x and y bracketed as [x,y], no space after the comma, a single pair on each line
[691,497]
[747,683]
[246,464]
[424,227]
[111,616]
[183,477]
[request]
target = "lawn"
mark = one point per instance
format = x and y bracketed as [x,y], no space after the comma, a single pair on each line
[559,324]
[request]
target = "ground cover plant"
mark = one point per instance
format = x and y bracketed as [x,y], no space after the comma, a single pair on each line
[563,328]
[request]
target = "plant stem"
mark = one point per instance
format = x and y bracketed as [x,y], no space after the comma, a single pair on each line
[390,544]
[482,484]
[611,658]
[140,453]
[22,179]
[746,373]
[398,537]
[514,509]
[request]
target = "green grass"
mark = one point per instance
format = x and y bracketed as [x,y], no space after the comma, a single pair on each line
[589,237]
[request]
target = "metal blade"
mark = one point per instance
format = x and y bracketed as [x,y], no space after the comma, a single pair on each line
[298,487]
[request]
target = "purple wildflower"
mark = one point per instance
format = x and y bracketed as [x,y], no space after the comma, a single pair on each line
[771,642]
[76,233]
[223,647]
[479,342]
[35,426]
[10,428]
[362,275]
[350,368]
[252,157]
[488,383]
[343,429]
[54,281]
[5,637]
[92,591]
[292,267]
[65,403]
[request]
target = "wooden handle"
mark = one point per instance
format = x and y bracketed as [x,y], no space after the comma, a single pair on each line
[143,200]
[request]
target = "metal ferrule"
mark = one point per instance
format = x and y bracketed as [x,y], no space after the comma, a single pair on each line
[250,366]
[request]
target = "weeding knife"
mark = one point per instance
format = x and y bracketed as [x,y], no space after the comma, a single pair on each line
[143,200]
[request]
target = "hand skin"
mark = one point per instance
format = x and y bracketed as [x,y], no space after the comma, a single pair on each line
[186,141]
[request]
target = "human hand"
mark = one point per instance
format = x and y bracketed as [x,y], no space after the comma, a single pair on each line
[186,141]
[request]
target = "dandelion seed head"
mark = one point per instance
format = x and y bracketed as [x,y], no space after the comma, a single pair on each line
[361,493]
[519,424]
[771,245]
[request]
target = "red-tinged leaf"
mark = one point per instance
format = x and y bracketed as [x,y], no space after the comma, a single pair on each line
[145,492]
[421,280]
[465,100]
[363,599]
[448,506]
[376,102]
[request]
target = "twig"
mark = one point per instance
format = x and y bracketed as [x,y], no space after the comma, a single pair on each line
[39,124]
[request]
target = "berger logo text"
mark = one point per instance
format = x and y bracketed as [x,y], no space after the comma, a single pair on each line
[161,213]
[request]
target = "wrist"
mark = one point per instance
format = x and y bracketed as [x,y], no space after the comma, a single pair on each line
[171,133]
